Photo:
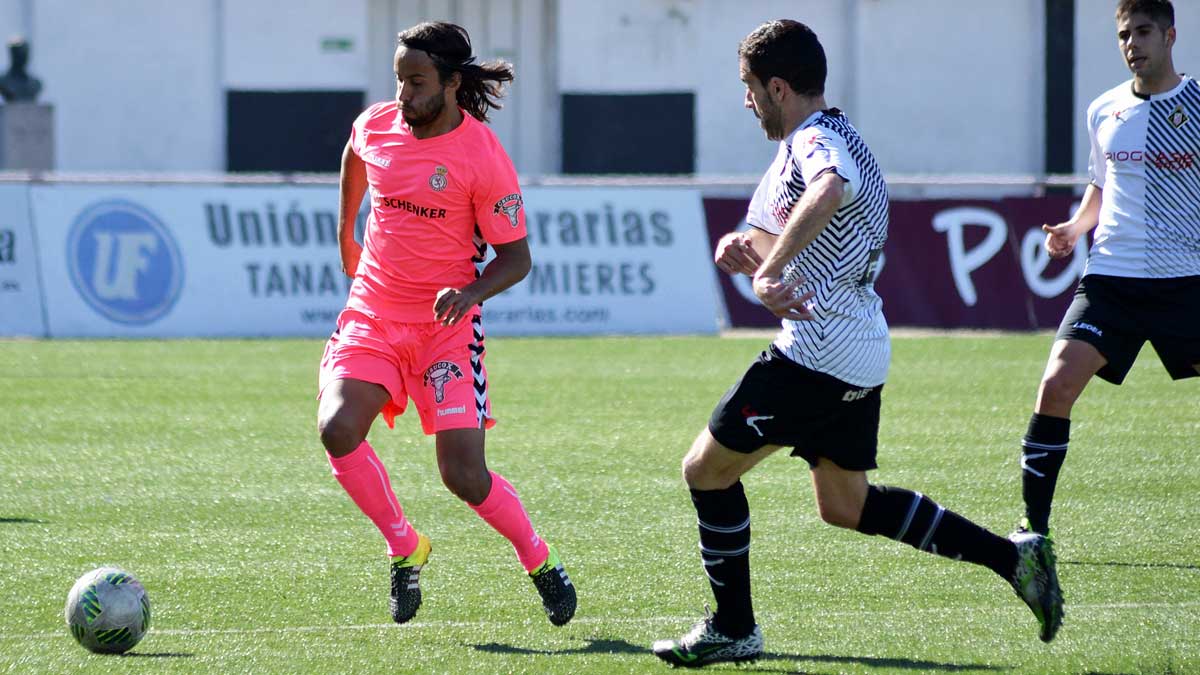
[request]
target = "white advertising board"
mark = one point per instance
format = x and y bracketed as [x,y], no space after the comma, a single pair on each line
[611,260]
[182,261]
[203,261]
[20,293]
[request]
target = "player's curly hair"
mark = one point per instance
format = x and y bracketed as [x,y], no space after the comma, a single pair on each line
[449,46]
[1161,12]
[788,50]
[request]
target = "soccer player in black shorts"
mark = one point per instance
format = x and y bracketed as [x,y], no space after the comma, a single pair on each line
[1142,279]
[818,225]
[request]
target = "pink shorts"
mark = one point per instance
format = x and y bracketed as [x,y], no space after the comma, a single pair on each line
[439,367]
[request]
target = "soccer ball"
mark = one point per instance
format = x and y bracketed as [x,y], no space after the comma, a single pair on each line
[108,611]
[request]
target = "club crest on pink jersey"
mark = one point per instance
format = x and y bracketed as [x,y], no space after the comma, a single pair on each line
[509,205]
[438,180]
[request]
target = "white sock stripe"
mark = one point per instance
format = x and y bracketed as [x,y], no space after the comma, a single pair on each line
[937,518]
[1043,446]
[717,528]
[912,511]
[1025,464]
[383,481]
[713,551]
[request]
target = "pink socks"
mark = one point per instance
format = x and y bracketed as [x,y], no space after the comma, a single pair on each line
[502,510]
[366,481]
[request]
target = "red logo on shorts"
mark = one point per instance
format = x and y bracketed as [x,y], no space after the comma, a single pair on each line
[438,375]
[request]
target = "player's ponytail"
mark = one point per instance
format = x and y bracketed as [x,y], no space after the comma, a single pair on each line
[449,46]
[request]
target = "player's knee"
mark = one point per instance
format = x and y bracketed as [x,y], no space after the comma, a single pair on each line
[1059,391]
[689,469]
[839,514]
[339,436]
[469,484]
[702,475]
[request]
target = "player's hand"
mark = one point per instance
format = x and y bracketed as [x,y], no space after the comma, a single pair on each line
[452,305]
[784,299]
[1060,239]
[351,253]
[736,255]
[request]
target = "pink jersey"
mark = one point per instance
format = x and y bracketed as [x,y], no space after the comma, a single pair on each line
[434,202]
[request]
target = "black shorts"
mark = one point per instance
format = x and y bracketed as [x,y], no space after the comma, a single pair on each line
[1117,315]
[779,402]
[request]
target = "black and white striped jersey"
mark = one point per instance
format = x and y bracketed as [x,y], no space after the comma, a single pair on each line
[849,337]
[1145,156]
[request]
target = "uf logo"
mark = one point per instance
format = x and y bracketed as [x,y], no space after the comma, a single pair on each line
[124,263]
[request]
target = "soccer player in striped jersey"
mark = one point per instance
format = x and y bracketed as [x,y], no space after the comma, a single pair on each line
[1142,278]
[442,189]
[818,225]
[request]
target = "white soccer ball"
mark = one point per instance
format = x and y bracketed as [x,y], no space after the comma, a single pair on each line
[108,611]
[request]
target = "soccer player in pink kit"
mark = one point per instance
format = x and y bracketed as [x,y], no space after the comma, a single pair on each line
[442,189]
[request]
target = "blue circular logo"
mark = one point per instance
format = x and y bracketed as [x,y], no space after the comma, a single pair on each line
[124,262]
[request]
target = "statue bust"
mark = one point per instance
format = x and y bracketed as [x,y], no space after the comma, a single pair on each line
[17,84]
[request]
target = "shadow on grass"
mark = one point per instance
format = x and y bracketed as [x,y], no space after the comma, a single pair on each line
[593,646]
[1101,563]
[155,655]
[17,520]
[877,662]
[605,646]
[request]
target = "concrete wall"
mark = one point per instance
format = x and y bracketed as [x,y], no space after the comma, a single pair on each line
[635,46]
[313,45]
[952,86]
[134,83]
[12,19]
[521,32]
[934,85]
[907,81]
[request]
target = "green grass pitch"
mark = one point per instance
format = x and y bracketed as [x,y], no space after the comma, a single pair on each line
[195,465]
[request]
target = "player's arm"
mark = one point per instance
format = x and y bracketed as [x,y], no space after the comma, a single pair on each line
[743,252]
[809,217]
[1061,238]
[352,185]
[511,264]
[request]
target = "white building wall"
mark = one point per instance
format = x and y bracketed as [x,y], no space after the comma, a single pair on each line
[952,86]
[12,22]
[907,81]
[934,85]
[312,45]
[133,82]
[640,46]
[517,31]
